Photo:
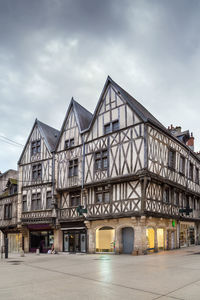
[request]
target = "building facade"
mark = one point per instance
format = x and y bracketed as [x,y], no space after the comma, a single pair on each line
[8,211]
[113,181]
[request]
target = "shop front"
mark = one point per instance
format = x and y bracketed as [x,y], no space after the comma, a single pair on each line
[74,237]
[41,237]
[187,234]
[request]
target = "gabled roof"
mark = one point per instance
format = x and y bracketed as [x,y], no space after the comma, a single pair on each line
[82,115]
[49,134]
[138,108]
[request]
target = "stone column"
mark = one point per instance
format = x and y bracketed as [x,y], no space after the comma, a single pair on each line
[58,240]
[140,244]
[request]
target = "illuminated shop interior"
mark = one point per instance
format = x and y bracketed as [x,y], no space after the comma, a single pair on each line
[104,239]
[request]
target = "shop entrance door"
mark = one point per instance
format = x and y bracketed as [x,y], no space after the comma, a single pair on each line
[74,242]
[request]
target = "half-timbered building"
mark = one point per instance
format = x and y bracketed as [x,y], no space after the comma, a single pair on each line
[36,189]
[8,211]
[130,173]
[113,181]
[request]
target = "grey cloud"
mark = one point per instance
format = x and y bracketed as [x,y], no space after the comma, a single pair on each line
[53,50]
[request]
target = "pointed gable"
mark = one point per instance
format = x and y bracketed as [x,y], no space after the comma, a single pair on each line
[116,104]
[77,120]
[47,136]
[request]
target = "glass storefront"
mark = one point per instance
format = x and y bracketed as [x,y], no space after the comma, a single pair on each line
[42,240]
[105,237]
[74,241]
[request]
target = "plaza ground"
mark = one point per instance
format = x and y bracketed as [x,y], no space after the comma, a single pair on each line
[167,275]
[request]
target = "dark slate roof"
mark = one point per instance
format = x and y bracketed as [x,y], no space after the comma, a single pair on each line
[142,112]
[84,117]
[50,134]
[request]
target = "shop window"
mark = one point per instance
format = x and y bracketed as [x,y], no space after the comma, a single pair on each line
[102,194]
[69,144]
[36,201]
[24,203]
[191,171]
[48,200]
[171,159]
[75,199]
[105,239]
[101,160]
[8,211]
[182,165]
[36,171]
[35,147]
[73,168]
[150,234]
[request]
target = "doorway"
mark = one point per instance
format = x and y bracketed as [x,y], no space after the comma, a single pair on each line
[74,241]
[105,239]
[150,234]
[127,240]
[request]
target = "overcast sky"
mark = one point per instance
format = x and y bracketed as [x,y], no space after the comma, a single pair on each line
[51,50]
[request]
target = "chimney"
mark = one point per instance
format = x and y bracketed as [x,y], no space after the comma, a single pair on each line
[190,142]
[174,130]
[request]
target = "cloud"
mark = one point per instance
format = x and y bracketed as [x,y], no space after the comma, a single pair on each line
[51,51]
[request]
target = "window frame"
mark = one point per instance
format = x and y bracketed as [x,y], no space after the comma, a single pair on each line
[182,171]
[196,175]
[102,190]
[167,191]
[191,173]
[35,147]
[8,211]
[172,163]
[100,159]
[24,200]
[72,197]
[69,144]
[73,165]
[111,126]
[37,171]
[37,198]
[48,199]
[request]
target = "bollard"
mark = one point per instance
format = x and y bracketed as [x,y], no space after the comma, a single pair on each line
[37,251]
[6,247]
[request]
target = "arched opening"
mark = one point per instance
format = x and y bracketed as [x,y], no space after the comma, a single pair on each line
[127,240]
[160,238]
[105,239]
[150,234]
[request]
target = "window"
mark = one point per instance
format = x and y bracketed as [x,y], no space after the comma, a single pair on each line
[197,176]
[48,200]
[8,211]
[166,195]
[73,167]
[172,159]
[102,194]
[35,147]
[112,126]
[24,203]
[191,171]
[36,171]
[69,144]
[36,201]
[75,199]
[101,160]
[176,198]
[182,164]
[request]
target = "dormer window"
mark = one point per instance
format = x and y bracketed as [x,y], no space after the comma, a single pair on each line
[111,127]
[69,144]
[35,147]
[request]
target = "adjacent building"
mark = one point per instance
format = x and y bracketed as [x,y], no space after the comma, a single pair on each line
[113,181]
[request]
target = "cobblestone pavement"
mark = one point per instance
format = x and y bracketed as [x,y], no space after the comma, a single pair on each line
[167,275]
